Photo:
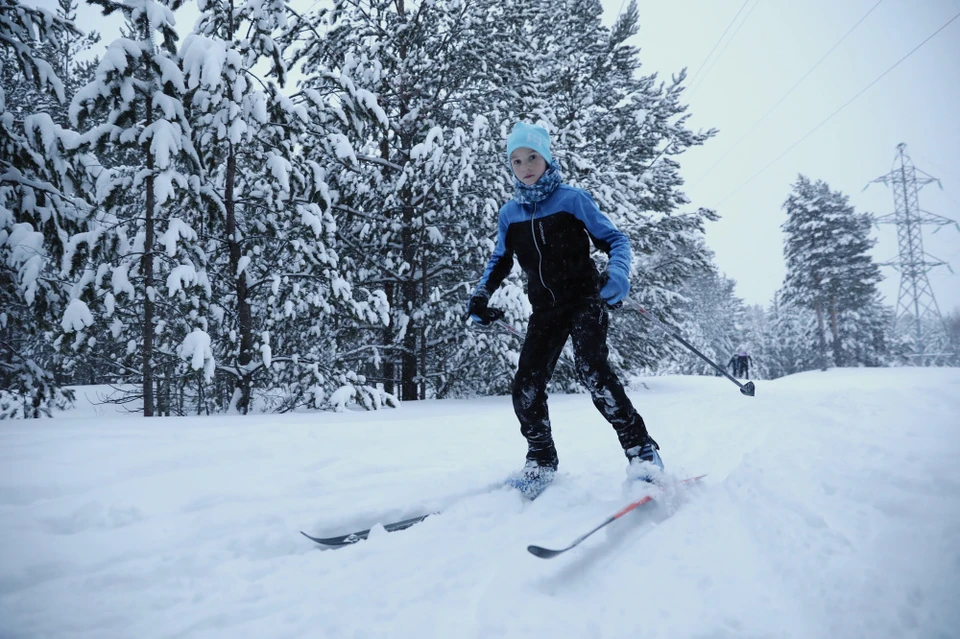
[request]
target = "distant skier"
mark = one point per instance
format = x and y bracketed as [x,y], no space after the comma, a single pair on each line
[734,365]
[549,225]
[744,364]
[740,365]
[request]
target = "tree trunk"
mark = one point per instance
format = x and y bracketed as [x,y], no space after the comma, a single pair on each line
[821,336]
[35,403]
[409,370]
[163,392]
[409,300]
[389,364]
[146,265]
[244,316]
[409,303]
[835,331]
[424,351]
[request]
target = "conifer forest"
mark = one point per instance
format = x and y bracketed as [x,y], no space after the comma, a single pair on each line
[274,209]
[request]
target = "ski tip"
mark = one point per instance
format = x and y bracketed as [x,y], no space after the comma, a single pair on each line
[313,539]
[543,553]
[332,542]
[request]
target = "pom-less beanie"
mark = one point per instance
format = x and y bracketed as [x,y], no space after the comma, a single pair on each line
[529,136]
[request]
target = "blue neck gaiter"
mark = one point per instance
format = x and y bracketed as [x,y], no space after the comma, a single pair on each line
[540,191]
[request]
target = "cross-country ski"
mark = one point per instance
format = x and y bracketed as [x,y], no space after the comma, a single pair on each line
[548,553]
[359,535]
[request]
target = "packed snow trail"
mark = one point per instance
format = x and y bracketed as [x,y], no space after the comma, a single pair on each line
[831,509]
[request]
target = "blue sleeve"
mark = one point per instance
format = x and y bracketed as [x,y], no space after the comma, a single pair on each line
[500,263]
[605,235]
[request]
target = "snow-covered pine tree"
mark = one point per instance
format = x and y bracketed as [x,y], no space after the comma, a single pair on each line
[146,270]
[73,66]
[951,325]
[426,91]
[283,302]
[829,267]
[759,338]
[41,180]
[228,109]
[68,58]
[791,344]
[63,54]
[617,133]
[713,320]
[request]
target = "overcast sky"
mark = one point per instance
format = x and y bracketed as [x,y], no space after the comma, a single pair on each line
[768,49]
[744,81]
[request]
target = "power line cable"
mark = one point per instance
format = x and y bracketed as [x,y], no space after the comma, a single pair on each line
[700,68]
[785,95]
[842,107]
[722,35]
[693,89]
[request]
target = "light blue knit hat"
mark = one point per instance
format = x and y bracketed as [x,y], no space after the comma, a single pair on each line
[529,136]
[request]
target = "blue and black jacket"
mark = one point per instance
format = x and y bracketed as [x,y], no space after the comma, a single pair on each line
[551,240]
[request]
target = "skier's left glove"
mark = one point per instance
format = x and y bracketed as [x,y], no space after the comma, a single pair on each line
[617,286]
[479,312]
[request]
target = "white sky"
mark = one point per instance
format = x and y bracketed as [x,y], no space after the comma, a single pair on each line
[769,48]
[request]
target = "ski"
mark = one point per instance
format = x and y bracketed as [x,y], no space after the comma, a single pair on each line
[360,535]
[351,538]
[549,553]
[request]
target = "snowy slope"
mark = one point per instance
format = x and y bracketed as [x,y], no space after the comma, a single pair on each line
[831,509]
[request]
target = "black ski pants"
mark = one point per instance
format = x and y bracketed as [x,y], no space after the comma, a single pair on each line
[586,325]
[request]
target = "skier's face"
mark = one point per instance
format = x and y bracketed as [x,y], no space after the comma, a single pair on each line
[528,165]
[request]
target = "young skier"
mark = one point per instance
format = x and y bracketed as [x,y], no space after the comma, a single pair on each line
[549,225]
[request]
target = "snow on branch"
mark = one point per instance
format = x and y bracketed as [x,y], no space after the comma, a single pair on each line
[76,317]
[196,349]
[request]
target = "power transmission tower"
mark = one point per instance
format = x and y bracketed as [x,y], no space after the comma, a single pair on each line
[918,315]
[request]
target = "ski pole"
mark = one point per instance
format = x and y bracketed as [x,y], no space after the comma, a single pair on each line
[498,320]
[747,389]
[511,329]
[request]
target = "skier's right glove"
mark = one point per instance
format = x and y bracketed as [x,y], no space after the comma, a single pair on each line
[479,312]
[616,287]
[604,287]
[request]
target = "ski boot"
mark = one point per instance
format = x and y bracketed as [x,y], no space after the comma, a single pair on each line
[532,479]
[645,463]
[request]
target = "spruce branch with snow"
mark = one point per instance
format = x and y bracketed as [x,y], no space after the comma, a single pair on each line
[147,240]
[42,184]
[284,306]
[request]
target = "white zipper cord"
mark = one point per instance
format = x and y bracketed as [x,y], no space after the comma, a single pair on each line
[533,231]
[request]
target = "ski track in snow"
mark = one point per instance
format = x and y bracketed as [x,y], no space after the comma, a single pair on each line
[831,509]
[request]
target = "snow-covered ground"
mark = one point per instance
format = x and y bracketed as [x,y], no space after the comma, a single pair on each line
[831,509]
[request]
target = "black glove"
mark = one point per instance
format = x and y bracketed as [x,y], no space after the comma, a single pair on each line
[479,312]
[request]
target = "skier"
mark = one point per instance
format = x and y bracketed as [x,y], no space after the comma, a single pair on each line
[743,361]
[734,365]
[549,225]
